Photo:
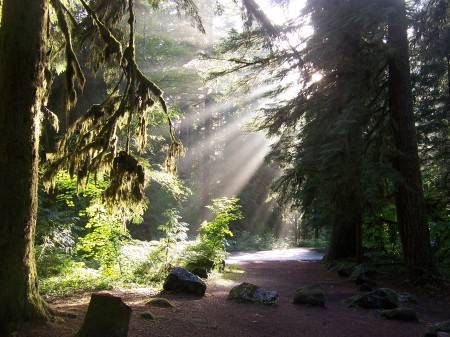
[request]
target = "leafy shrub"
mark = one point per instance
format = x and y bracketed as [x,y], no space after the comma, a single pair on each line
[174,233]
[213,233]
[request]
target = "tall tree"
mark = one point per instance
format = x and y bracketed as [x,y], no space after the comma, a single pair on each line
[23,36]
[412,223]
[23,84]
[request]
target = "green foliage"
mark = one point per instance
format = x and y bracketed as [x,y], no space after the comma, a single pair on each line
[153,269]
[101,140]
[213,233]
[77,277]
[104,241]
[175,232]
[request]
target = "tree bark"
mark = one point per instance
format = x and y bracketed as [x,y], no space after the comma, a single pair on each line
[206,157]
[412,224]
[22,86]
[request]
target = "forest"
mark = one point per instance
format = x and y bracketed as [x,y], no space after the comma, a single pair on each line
[139,135]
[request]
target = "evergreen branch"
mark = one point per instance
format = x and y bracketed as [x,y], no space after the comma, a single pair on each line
[255,11]
[191,9]
[113,46]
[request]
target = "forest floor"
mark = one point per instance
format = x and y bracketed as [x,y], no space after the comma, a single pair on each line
[214,315]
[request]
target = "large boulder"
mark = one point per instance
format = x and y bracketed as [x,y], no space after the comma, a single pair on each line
[106,316]
[400,314]
[437,330]
[251,293]
[382,298]
[311,295]
[363,270]
[181,280]
[344,268]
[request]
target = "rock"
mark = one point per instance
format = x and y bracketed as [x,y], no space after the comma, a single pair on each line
[443,326]
[251,293]
[363,269]
[437,330]
[106,316]
[363,278]
[200,272]
[343,268]
[382,298]
[181,280]
[159,302]
[345,271]
[401,314]
[405,297]
[201,266]
[311,295]
[364,287]
[147,315]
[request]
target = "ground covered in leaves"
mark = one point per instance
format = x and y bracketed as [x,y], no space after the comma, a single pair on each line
[214,315]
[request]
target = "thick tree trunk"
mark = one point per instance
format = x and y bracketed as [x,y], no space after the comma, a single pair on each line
[412,225]
[345,240]
[206,157]
[22,60]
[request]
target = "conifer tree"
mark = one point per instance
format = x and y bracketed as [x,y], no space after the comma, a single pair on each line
[411,218]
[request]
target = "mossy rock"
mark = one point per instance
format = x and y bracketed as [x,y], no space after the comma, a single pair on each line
[400,314]
[310,295]
[433,330]
[159,302]
[148,315]
[251,293]
[382,298]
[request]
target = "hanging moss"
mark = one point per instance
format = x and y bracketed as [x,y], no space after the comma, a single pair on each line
[91,144]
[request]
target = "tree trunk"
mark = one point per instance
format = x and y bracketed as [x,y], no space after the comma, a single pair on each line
[206,157]
[22,61]
[412,225]
[345,236]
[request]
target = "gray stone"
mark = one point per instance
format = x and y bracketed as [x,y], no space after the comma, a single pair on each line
[106,316]
[364,287]
[437,330]
[345,271]
[405,297]
[251,293]
[382,298]
[400,314]
[181,280]
[159,302]
[311,295]
[363,269]
[200,272]
[147,315]
[443,326]
[363,278]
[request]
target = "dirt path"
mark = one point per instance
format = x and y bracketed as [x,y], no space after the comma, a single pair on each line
[214,315]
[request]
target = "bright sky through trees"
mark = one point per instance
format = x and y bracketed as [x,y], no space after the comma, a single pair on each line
[278,14]
[249,157]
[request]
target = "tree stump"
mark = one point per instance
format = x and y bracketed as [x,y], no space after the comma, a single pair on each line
[107,316]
